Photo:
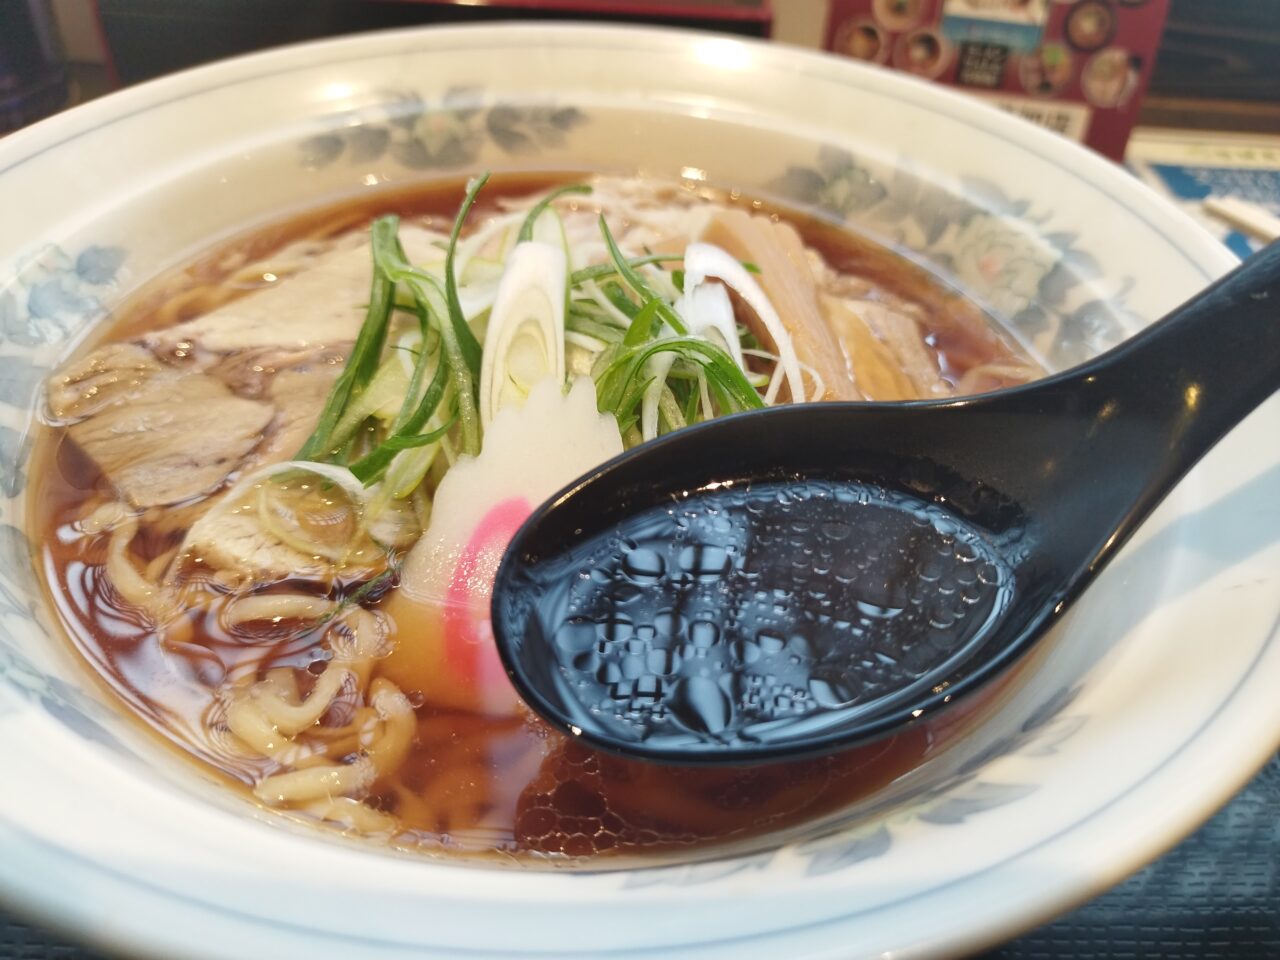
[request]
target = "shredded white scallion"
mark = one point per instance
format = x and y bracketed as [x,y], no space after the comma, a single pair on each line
[656,367]
[703,261]
[706,309]
[471,245]
[585,341]
[592,289]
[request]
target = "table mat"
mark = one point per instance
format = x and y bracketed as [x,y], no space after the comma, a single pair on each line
[1214,897]
[1189,167]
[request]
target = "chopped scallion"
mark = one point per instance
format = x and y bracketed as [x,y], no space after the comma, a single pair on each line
[539,208]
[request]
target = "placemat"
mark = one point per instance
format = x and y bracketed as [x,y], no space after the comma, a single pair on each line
[1214,897]
[1192,168]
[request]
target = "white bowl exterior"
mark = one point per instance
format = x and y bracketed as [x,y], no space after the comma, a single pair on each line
[1091,767]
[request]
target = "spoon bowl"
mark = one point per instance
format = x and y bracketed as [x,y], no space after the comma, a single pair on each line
[798,580]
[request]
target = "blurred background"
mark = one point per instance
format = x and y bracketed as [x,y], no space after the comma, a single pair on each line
[1216,66]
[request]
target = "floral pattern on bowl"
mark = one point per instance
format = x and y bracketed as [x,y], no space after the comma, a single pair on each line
[46,298]
[995,248]
[451,132]
[952,800]
[50,294]
[25,679]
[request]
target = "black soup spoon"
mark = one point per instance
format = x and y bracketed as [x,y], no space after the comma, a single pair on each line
[797,580]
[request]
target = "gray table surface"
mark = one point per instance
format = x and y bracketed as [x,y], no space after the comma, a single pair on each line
[1214,897]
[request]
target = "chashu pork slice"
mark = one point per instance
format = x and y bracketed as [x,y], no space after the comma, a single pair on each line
[298,396]
[788,281]
[318,308]
[171,415]
[110,374]
[175,436]
[229,536]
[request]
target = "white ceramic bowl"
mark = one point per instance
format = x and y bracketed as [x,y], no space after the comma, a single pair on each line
[1156,702]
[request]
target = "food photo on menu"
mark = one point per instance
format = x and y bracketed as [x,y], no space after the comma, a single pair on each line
[1079,68]
[626,481]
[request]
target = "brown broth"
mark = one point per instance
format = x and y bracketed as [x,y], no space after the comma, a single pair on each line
[472,784]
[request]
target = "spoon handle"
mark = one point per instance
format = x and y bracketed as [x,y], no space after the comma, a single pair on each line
[1202,369]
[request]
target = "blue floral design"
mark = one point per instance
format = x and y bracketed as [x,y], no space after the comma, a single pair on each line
[20,678]
[52,294]
[829,857]
[696,874]
[20,380]
[14,450]
[959,797]
[996,248]
[451,132]
[48,296]
[66,704]
[15,561]
[963,795]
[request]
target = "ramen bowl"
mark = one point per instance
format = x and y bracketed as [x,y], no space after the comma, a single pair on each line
[1149,707]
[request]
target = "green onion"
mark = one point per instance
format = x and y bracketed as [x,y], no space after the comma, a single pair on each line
[645,324]
[396,444]
[669,410]
[591,327]
[410,467]
[637,283]
[413,412]
[370,468]
[691,405]
[386,387]
[614,293]
[365,356]
[601,271]
[387,577]
[468,345]
[628,404]
[411,419]
[389,259]
[620,388]
[538,209]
